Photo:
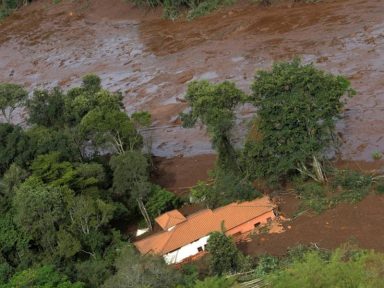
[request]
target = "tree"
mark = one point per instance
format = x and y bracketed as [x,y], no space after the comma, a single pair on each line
[133,270]
[213,105]
[88,216]
[14,147]
[44,276]
[131,180]
[91,83]
[89,177]
[80,100]
[224,255]
[51,170]
[47,108]
[111,130]
[160,201]
[11,97]
[43,140]
[11,180]
[297,106]
[39,211]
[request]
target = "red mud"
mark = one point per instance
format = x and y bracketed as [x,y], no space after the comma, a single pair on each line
[360,224]
[181,173]
[151,60]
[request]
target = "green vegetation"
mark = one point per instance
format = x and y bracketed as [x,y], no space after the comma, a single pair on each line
[173,8]
[297,109]
[224,255]
[377,155]
[65,182]
[213,105]
[78,171]
[342,268]
[8,6]
[343,186]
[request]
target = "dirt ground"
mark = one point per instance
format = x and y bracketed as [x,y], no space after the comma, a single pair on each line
[181,173]
[151,60]
[358,223]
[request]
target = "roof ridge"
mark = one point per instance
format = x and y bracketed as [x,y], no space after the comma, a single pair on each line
[198,213]
[169,238]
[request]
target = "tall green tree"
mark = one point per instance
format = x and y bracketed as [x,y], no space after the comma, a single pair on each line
[47,108]
[131,180]
[12,178]
[133,270]
[14,147]
[43,140]
[51,170]
[11,97]
[110,129]
[213,105]
[39,211]
[224,255]
[297,106]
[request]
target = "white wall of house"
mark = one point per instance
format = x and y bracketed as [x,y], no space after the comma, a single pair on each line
[186,251]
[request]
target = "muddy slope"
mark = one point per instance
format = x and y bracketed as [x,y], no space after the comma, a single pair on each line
[151,60]
[359,224]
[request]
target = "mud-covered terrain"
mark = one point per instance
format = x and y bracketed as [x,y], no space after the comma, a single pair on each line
[151,60]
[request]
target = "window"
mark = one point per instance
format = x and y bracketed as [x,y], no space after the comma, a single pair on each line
[257,224]
[200,249]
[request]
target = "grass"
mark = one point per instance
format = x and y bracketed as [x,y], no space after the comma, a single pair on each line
[206,7]
[345,186]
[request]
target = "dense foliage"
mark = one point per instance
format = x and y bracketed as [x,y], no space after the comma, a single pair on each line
[297,106]
[78,171]
[343,268]
[7,6]
[224,255]
[65,182]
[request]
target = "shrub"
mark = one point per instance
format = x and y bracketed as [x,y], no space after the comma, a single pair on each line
[363,269]
[354,184]
[160,201]
[313,196]
[377,155]
[265,265]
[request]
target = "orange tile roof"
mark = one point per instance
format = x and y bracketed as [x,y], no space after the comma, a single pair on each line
[203,223]
[170,219]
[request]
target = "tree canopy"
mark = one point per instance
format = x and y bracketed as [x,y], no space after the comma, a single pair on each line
[297,106]
[213,105]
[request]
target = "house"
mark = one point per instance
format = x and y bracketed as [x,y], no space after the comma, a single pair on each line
[183,237]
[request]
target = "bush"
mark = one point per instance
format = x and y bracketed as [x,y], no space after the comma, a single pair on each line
[224,255]
[342,269]
[227,188]
[265,265]
[355,185]
[160,201]
[313,195]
